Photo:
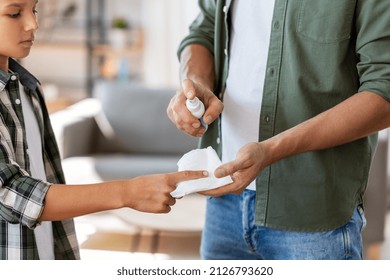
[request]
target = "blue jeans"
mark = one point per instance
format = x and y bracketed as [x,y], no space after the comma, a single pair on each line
[230,233]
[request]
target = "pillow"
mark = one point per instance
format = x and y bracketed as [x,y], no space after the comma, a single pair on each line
[135,116]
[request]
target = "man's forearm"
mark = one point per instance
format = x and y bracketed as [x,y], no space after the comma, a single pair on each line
[197,64]
[356,117]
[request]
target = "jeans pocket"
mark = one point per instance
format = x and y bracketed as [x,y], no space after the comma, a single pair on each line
[326,21]
[362,216]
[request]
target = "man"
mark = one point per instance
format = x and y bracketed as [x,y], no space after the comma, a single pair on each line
[305,87]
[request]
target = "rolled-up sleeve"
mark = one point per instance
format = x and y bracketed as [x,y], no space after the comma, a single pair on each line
[21,197]
[202,28]
[373,46]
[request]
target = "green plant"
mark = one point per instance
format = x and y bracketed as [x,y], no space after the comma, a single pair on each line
[120,23]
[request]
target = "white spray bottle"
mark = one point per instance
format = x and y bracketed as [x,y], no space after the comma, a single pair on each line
[196,107]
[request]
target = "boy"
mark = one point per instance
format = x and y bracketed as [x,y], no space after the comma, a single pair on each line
[32,189]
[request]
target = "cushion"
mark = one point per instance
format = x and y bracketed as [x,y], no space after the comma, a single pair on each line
[137,119]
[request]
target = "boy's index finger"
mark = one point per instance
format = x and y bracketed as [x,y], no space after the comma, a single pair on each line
[188,175]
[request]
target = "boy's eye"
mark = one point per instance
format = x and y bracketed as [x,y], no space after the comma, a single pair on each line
[14,15]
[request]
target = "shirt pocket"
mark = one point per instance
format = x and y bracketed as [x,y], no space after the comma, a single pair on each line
[326,21]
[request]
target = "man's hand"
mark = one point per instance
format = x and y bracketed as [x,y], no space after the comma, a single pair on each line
[249,162]
[182,118]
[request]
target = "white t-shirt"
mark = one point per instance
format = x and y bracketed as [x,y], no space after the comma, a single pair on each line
[249,41]
[43,232]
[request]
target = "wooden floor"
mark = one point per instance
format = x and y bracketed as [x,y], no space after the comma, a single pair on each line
[104,236]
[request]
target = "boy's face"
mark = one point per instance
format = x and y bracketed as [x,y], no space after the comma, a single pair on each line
[18,24]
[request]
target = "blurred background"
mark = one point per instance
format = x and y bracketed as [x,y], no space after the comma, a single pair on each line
[109,69]
[80,41]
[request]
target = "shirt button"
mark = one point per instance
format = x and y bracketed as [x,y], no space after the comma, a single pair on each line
[225,51]
[218,140]
[271,71]
[276,25]
[225,9]
[13,77]
[267,118]
[17,101]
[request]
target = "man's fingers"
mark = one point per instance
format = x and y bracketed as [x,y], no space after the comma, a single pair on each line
[214,109]
[182,118]
[214,106]
[188,89]
[230,188]
[227,169]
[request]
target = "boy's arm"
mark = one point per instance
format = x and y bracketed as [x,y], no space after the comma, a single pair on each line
[25,200]
[150,193]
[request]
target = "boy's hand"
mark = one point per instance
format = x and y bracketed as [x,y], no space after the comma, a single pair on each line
[152,193]
[182,118]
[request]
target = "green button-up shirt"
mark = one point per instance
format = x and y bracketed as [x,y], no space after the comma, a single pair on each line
[320,53]
[22,197]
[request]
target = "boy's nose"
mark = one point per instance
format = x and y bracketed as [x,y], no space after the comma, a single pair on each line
[31,22]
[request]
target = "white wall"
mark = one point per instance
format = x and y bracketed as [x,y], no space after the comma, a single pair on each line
[166,23]
[64,65]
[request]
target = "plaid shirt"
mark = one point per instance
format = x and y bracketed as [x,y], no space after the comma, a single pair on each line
[22,197]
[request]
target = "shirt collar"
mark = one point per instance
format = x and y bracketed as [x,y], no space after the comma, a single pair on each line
[26,78]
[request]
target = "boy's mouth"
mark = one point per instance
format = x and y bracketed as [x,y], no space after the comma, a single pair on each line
[29,40]
[27,43]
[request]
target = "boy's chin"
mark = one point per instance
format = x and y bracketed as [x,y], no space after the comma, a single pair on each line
[21,55]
